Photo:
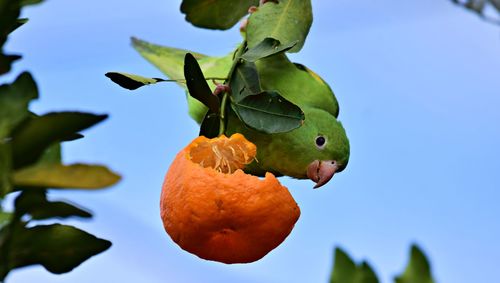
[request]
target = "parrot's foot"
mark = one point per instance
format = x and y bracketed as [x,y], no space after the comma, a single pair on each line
[220,88]
[243,26]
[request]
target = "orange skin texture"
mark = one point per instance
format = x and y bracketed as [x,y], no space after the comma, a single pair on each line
[225,217]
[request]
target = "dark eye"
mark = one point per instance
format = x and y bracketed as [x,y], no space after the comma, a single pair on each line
[320,142]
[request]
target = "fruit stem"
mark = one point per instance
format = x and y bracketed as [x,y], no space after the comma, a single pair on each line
[222,121]
[236,61]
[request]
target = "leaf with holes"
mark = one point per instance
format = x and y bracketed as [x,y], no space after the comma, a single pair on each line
[267,47]
[244,81]
[269,112]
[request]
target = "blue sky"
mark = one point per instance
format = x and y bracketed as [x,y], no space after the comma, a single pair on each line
[418,87]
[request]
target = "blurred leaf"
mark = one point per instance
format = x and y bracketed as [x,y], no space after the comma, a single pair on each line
[5,169]
[130,81]
[244,81]
[216,14]
[33,136]
[6,62]
[267,47]
[269,112]
[288,21]
[53,175]
[35,203]
[210,125]
[30,2]
[418,269]
[59,248]
[496,4]
[72,137]
[51,155]
[479,7]
[5,218]
[345,270]
[20,22]
[9,11]
[197,85]
[14,100]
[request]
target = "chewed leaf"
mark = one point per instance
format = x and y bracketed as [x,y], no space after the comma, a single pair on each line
[287,21]
[218,14]
[245,81]
[269,112]
[197,85]
[267,47]
[53,175]
[131,81]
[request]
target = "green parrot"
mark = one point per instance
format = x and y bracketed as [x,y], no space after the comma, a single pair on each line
[316,150]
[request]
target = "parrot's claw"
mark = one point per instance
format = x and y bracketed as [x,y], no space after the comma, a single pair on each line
[220,88]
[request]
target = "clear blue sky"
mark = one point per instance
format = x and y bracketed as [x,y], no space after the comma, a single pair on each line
[419,91]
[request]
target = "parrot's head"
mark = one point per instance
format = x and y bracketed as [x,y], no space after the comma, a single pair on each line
[329,153]
[316,150]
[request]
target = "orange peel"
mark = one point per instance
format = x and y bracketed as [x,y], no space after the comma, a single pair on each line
[211,208]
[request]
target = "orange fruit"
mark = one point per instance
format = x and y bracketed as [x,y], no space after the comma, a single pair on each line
[211,208]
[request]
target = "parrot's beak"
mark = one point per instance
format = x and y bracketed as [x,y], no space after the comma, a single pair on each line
[321,171]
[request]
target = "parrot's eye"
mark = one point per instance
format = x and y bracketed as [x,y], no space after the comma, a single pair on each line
[320,142]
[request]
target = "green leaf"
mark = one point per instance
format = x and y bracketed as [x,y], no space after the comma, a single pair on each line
[131,81]
[169,60]
[5,169]
[244,81]
[345,270]
[51,155]
[496,4]
[267,47]
[6,62]
[20,22]
[59,248]
[269,112]
[288,21]
[216,14]
[33,136]
[35,203]
[53,175]
[210,125]
[14,101]
[418,269]
[197,85]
